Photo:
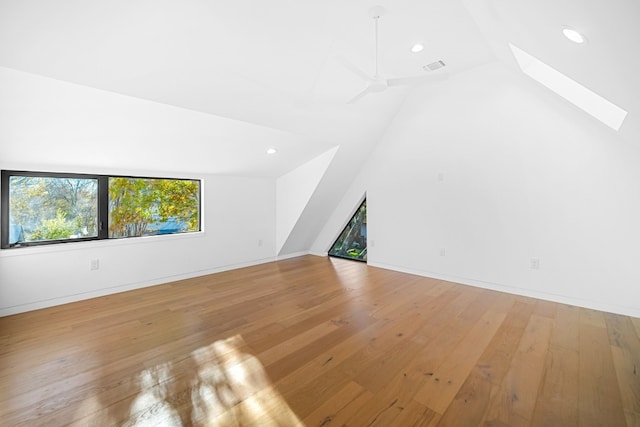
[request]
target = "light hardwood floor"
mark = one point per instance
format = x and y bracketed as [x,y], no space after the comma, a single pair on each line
[318,342]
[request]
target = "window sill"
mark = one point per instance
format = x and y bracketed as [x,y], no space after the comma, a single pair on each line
[95,244]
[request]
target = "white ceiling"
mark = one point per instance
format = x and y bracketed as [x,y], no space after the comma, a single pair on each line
[273,63]
[268,63]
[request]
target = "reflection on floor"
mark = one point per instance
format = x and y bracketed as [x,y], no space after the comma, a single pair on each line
[220,384]
[318,341]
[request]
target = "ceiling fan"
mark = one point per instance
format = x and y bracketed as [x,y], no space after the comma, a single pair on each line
[376,83]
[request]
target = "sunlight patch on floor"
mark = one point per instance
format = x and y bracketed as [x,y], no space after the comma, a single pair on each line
[219,384]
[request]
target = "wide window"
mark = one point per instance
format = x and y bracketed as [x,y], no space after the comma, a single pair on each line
[43,208]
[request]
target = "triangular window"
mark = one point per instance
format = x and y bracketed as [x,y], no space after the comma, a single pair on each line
[352,243]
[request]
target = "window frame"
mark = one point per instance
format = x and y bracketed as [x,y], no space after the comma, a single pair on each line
[102,208]
[347,225]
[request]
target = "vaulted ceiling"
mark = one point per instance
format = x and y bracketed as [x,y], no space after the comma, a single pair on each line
[282,71]
[281,64]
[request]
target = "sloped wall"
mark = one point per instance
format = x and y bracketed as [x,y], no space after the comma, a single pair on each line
[293,192]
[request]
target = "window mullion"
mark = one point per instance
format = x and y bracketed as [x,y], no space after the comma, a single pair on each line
[103,207]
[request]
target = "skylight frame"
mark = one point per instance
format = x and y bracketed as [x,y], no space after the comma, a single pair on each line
[580,96]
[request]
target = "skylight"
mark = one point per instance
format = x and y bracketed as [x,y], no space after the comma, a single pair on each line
[603,110]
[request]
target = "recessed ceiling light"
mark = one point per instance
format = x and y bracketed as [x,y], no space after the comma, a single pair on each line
[417,48]
[573,35]
[271,151]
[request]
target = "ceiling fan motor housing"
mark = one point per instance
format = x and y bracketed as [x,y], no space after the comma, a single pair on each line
[377,85]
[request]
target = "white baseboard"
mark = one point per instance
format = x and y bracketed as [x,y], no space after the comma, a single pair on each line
[611,308]
[319,253]
[37,305]
[292,255]
[563,299]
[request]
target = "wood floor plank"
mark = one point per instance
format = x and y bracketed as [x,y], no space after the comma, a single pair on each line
[472,401]
[636,325]
[309,352]
[441,388]
[557,402]
[625,350]
[513,402]
[416,415]
[344,403]
[496,359]
[402,357]
[599,396]
[318,341]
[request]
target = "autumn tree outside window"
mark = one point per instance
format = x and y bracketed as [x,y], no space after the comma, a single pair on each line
[43,208]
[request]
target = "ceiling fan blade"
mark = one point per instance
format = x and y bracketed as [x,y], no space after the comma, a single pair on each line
[355,70]
[416,80]
[359,96]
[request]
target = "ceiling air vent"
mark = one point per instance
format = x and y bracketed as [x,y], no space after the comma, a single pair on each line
[434,66]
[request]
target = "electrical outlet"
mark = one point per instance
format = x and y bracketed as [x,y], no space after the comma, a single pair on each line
[443,252]
[440,176]
[95,264]
[534,263]
[259,242]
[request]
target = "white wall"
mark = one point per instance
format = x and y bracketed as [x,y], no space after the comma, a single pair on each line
[238,231]
[53,126]
[293,191]
[489,166]
[495,170]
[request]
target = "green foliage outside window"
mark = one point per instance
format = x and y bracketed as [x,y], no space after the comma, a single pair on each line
[42,208]
[352,242]
[144,206]
[48,208]
[54,229]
